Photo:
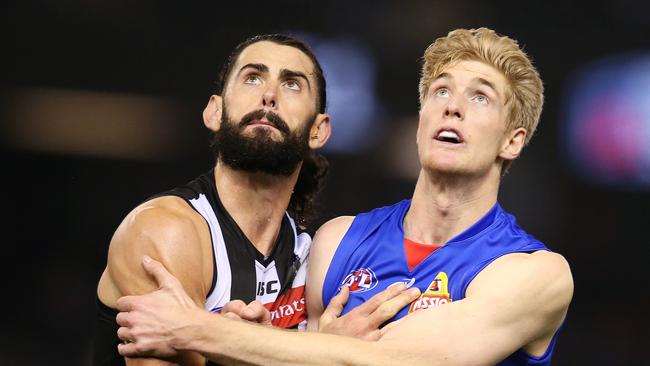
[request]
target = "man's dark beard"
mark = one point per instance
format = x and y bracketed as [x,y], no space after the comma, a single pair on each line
[259,152]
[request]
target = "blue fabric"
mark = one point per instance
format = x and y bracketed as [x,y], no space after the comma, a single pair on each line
[371,257]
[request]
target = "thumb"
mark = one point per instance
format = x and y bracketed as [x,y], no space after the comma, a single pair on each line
[158,272]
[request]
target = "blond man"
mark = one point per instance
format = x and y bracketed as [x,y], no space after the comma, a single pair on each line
[491,293]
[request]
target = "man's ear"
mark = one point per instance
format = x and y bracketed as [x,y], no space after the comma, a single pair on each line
[513,144]
[212,113]
[320,131]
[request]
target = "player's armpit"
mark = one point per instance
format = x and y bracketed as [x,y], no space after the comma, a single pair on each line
[511,304]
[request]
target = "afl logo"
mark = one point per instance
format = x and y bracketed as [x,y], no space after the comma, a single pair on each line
[360,280]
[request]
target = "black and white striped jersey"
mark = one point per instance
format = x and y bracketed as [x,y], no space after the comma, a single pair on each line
[240,270]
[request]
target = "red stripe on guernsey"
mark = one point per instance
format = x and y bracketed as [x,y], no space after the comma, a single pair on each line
[289,309]
[416,252]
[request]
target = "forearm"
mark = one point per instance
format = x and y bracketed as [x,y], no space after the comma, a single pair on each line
[239,343]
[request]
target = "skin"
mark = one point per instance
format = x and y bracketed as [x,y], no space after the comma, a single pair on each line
[458,184]
[169,230]
[266,76]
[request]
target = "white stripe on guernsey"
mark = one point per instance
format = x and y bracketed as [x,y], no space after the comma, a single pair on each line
[220,295]
[301,249]
[302,241]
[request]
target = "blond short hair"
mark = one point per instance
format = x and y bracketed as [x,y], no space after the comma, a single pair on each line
[524,92]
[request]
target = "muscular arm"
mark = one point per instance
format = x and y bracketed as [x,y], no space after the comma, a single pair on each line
[168,230]
[518,301]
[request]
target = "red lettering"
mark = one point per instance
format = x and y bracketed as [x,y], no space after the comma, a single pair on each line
[288,310]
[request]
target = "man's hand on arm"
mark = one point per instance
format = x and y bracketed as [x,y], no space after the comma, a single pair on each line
[153,324]
[166,229]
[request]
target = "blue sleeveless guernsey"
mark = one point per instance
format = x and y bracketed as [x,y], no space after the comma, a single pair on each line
[371,257]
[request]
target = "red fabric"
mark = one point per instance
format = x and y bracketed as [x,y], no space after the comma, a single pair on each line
[289,309]
[416,252]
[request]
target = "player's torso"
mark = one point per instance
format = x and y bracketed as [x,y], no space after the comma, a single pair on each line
[371,257]
[240,271]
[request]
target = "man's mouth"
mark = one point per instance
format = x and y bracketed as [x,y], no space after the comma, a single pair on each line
[449,136]
[264,122]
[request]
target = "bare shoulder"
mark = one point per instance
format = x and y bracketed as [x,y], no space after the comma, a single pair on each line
[324,245]
[160,224]
[540,277]
[166,229]
[330,233]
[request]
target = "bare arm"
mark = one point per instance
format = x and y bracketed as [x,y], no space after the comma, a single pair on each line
[517,301]
[322,251]
[168,230]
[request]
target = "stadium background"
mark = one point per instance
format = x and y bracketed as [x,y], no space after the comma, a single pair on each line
[100,107]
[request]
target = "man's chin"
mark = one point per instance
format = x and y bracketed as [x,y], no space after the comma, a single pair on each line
[265,133]
[255,170]
[444,168]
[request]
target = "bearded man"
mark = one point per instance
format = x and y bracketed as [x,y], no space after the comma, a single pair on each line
[235,232]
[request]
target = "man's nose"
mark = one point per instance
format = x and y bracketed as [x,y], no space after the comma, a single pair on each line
[269,98]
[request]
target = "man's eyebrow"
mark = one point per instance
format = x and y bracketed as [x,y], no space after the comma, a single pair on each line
[287,74]
[444,75]
[478,80]
[258,67]
[487,83]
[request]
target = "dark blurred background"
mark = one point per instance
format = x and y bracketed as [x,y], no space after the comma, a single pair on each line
[101,107]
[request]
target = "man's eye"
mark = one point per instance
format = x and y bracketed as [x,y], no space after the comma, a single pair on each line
[442,92]
[480,98]
[292,84]
[252,79]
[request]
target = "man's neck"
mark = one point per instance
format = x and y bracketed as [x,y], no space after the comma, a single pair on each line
[443,206]
[256,201]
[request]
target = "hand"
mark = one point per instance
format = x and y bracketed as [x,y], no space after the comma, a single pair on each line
[254,312]
[364,320]
[149,323]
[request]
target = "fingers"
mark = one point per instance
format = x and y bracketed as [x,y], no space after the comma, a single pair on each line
[158,272]
[124,334]
[234,306]
[122,319]
[393,305]
[335,307]
[127,349]
[125,303]
[376,301]
[256,312]
[231,315]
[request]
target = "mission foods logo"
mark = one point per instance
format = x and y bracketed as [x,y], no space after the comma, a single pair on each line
[436,294]
[360,280]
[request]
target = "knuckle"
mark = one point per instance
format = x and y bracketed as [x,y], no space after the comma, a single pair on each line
[385,311]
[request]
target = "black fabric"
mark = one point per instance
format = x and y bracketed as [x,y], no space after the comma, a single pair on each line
[241,252]
[241,255]
[105,340]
